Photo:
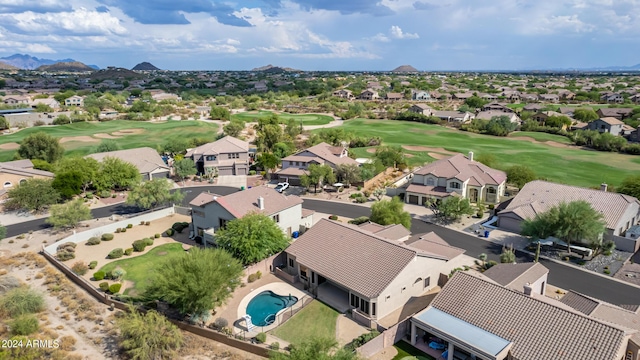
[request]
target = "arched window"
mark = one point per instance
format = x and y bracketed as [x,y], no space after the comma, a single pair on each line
[22,181]
[8,184]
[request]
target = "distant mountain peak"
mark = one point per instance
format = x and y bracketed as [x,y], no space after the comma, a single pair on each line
[405,68]
[273,69]
[145,66]
[71,66]
[28,62]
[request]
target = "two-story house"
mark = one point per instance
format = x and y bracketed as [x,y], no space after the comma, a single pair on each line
[344,94]
[607,124]
[210,212]
[420,95]
[369,95]
[75,100]
[294,166]
[458,175]
[618,113]
[497,107]
[227,156]
[422,109]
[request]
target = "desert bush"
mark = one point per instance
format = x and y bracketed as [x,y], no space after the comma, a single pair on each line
[147,223]
[220,323]
[66,246]
[138,245]
[142,222]
[261,338]
[98,275]
[359,220]
[333,217]
[104,286]
[156,236]
[148,241]
[67,343]
[169,232]
[115,288]
[94,240]
[116,253]
[275,345]
[129,226]
[64,255]
[361,200]
[20,301]
[251,278]
[93,264]
[107,237]
[123,230]
[118,230]
[80,268]
[128,251]
[24,325]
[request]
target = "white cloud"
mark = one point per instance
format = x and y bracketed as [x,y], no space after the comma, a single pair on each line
[79,21]
[554,25]
[397,33]
[39,49]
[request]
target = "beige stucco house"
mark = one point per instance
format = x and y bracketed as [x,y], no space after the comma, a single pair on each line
[14,173]
[228,156]
[147,160]
[458,175]
[294,166]
[74,100]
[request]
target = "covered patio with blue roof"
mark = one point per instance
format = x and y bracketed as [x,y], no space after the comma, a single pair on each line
[434,329]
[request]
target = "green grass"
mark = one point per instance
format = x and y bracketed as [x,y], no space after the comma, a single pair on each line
[316,320]
[152,135]
[306,119]
[138,268]
[569,165]
[541,137]
[405,349]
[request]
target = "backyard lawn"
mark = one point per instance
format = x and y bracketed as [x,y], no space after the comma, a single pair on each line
[306,119]
[405,350]
[82,138]
[316,320]
[138,268]
[551,157]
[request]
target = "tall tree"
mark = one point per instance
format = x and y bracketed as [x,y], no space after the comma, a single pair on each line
[348,173]
[116,174]
[41,146]
[68,183]
[86,166]
[184,168]
[318,175]
[630,186]
[267,161]
[252,238]
[148,335]
[387,212]
[585,114]
[233,128]
[33,194]
[195,282]
[153,193]
[68,214]
[107,146]
[453,208]
[219,113]
[391,156]
[519,175]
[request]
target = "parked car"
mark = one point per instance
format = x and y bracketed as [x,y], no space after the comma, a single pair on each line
[282,187]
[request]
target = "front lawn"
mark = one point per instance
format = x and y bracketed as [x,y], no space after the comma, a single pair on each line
[405,350]
[139,268]
[316,320]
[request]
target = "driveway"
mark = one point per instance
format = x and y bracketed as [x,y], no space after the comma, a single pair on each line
[236,181]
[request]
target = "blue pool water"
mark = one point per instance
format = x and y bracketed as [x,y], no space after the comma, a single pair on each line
[264,307]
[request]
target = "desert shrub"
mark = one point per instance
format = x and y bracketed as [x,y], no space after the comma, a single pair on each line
[115,288]
[116,253]
[128,251]
[156,236]
[93,264]
[107,237]
[359,220]
[129,226]
[258,274]
[142,222]
[275,345]
[118,230]
[20,301]
[93,240]
[89,196]
[24,325]
[104,286]
[80,268]
[177,227]
[251,278]
[607,271]
[333,217]
[261,338]
[138,245]
[98,275]
[367,193]
[491,206]
[123,230]
[362,339]
[252,172]
[67,343]
[361,200]
[117,274]
[169,232]
[67,246]
[64,255]
[220,323]
[148,241]
[355,195]
[147,223]
[105,194]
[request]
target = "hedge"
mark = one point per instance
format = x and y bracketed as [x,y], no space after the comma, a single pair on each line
[128,251]
[104,286]
[148,241]
[116,253]
[138,245]
[98,275]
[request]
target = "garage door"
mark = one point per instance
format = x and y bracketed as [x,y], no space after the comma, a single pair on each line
[413,199]
[509,224]
[160,175]
[222,171]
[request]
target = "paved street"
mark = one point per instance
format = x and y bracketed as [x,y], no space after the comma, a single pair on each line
[560,275]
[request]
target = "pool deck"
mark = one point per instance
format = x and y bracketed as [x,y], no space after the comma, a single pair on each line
[279,288]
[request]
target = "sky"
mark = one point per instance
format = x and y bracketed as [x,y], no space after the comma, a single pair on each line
[329,35]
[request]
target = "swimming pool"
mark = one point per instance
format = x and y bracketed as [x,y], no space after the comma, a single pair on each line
[264,307]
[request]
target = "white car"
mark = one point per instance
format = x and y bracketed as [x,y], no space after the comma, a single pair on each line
[282,187]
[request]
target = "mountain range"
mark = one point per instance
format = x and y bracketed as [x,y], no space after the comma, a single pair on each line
[28,62]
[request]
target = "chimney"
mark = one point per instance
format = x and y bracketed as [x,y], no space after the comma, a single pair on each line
[603,187]
[261,203]
[527,289]
[470,156]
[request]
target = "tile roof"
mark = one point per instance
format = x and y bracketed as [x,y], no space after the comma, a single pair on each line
[23,167]
[292,171]
[488,114]
[538,196]
[145,159]
[430,244]
[538,329]
[351,257]
[243,202]
[515,276]
[611,121]
[459,167]
[391,232]
[579,302]
[227,144]
[325,152]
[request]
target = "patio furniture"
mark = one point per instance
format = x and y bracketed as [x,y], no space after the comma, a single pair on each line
[436,346]
[445,354]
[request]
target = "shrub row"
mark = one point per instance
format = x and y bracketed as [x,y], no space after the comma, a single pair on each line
[147,223]
[359,220]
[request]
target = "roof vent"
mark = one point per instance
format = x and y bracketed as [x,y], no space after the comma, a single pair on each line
[261,203]
[527,289]
[603,187]
[470,156]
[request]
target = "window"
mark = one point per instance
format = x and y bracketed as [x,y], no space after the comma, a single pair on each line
[373,309]
[290,262]
[8,184]
[223,223]
[364,306]
[430,182]
[454,185]
[211,158]
[303,273]
[491,190]
[427,282]
[355,300]
[233,156]
[200,232]
[276,218]
[313,277]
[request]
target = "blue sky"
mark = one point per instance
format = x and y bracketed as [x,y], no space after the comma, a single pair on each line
[326,34]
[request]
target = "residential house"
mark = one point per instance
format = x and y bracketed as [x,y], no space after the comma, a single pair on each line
[147,160]
[552,98]
[166,96]
[457,175]
[478,318]
[635,98]
[489,97]
[542,116]
[422,109]
[620,211]
[16,100]
[227,156]
[441,96]
[351,268]
[568,111]
[634,136]
[566,94]
[210,212]
[462,96]
[296,165]
[520,276]
[529,97]
[393,96]
[612,98]
[369,94]
[511,95]
[50,102]
[74,100]
[618,113]
[533,107]
[461,117]
[14,173]
[607,124]
[489,114]
[419,95]
[344,94]
[497,107]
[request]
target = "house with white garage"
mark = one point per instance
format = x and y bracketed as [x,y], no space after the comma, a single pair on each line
[457,175]
[296,165]
[370,273]
[147,160]
[210,212]
[227,156]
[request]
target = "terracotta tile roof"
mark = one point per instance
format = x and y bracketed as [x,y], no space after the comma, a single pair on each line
[145,159]
[459,167]
[23,167]
[430,244]
[351,257]
[243,202]
[429,190]
[227,144]
[538,329]
[325,152]
[391,232]
[538,196]
[579,302]
[515,276]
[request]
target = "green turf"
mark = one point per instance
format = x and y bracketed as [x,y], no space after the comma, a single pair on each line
[152,135]
[306,119]
[542,137]
[316,320]
[138,268]
[569,165]
[405,350]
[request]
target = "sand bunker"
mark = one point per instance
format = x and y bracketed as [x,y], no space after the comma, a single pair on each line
[105,136]
[78,138]
[426,148]
[128,132]
[436,156]
[9,146]
[532,140]
[371,150]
